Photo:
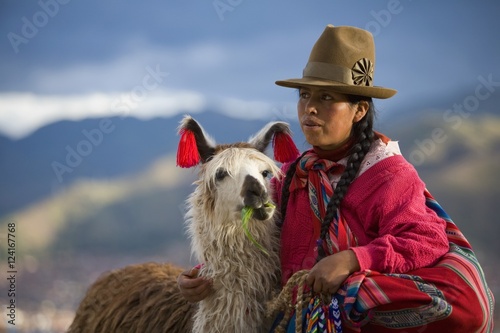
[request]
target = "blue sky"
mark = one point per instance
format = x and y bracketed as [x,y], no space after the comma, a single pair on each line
[71,59]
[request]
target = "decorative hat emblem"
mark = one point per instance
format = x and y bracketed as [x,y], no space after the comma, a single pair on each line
[362,72]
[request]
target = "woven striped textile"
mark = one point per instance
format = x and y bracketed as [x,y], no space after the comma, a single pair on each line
[452,296]
[320,191]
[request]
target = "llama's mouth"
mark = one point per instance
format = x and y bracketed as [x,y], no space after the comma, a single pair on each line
[263,213]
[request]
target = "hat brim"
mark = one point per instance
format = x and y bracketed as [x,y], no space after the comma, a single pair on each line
[375,92]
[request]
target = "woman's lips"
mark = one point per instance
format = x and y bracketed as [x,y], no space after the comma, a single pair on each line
[310,123]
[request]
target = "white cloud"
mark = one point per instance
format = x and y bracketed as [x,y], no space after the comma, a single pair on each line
[23,113]
[242,109]
[238,108]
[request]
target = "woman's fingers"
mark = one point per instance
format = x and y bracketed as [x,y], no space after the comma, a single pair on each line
[330,272]
[192,287]
[319,285]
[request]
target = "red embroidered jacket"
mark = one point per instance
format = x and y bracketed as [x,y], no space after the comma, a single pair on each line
[385,209]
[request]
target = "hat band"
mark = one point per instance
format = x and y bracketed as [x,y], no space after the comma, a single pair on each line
[328,71]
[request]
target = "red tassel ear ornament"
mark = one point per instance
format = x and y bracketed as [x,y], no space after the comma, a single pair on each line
[284,148]
[187,152]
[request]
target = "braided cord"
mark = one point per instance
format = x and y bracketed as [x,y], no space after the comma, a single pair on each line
[284,301]
[285,193]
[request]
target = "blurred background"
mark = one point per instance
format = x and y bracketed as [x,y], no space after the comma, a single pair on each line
[91,93]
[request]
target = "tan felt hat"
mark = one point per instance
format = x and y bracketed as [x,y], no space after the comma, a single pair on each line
[342,59]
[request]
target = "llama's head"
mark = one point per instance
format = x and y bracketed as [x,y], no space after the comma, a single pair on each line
[236,175]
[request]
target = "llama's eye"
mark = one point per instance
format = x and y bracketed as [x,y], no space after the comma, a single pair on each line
[266,173]
[220,175]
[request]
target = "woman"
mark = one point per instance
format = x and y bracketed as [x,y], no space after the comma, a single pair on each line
[356,214]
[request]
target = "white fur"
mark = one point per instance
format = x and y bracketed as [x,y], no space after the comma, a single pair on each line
[243,275]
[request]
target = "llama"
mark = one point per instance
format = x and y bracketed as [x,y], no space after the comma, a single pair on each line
[233,177]
[244,270]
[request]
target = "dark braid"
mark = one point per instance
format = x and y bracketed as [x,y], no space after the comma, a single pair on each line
[285,192]
[363,131]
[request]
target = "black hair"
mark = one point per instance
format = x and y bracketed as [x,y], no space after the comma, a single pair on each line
[364,136]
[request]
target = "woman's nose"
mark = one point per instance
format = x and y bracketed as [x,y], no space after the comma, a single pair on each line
[311,107]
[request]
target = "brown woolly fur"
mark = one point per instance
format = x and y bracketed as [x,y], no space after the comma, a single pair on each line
[135,299]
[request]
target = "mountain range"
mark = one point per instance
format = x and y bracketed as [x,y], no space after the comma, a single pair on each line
[57,155]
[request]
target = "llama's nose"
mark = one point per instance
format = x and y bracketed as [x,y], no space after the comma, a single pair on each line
[253,193]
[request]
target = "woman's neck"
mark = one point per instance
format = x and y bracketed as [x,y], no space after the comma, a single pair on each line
[338,153]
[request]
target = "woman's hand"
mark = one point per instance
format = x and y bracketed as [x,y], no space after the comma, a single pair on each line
[330,272]
[192,287]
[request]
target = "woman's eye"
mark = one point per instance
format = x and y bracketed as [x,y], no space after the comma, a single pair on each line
[266,173]
[220,175]
[304,94]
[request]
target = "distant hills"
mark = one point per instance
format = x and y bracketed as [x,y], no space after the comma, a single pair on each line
[57,155]
[139,214]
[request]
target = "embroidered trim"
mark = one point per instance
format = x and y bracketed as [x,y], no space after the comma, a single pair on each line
[437,309]
[378,152]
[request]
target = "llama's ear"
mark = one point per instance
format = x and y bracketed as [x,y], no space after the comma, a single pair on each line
[281,135]
[194,144]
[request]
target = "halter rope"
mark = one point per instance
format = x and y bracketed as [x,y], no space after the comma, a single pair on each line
[320,317]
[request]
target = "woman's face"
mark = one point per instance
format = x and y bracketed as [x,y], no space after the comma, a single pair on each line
[327,117]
